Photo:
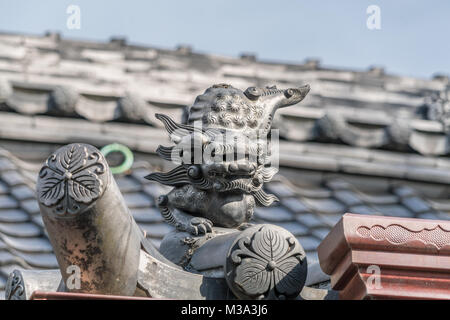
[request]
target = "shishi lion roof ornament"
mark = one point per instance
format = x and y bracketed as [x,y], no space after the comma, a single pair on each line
[223,157]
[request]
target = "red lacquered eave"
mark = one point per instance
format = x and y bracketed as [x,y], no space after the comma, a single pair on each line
[411,255]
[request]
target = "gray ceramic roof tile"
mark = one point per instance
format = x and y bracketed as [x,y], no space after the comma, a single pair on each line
[427,174]
[23,192]
[363,209]
[313,192]
[330,219]
[147,215]
[324,205]
[157,230]
[415,204]
[430,190]
[3,188]
[154,190]
[2,245]
[31,206]
[137,200]
[394,211]
[2,284]
[156,242]
[294,205]
[440,204]
[139,174]
[12,178]
[6,164]
[273,214]
[443,215]
[7,202]
[127,184]
[338,88]
[309,220]
[13,215]
[378,198]
[7,258]
[6,270]
[294,227]
[38,221]
[25,229]
[314,162]
[308,243]
[368,184]
[279,189]
[40,260]
[350,198]
[28,244]
[404,191]
[308,216]
[312,257]
[320,233]
[372,168]
[338,184]
[429,215]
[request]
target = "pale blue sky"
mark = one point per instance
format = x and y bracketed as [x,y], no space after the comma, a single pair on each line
[413,40]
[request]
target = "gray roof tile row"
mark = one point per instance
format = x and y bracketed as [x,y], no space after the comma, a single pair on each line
[342,170]
[104,83]
[308,210]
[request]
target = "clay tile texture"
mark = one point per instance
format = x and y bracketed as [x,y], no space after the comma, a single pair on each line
[360,142]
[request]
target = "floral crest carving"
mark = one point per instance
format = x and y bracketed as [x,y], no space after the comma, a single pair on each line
[271,264]
[70,178]
[15,287]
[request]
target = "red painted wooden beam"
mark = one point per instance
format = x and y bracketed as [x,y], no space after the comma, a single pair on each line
[378,257]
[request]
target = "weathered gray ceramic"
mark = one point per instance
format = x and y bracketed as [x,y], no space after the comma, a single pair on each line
[215,253]
[221,190]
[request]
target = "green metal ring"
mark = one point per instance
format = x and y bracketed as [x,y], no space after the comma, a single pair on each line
[128,154]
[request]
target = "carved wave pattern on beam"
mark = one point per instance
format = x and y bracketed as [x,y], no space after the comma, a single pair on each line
[399,235]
